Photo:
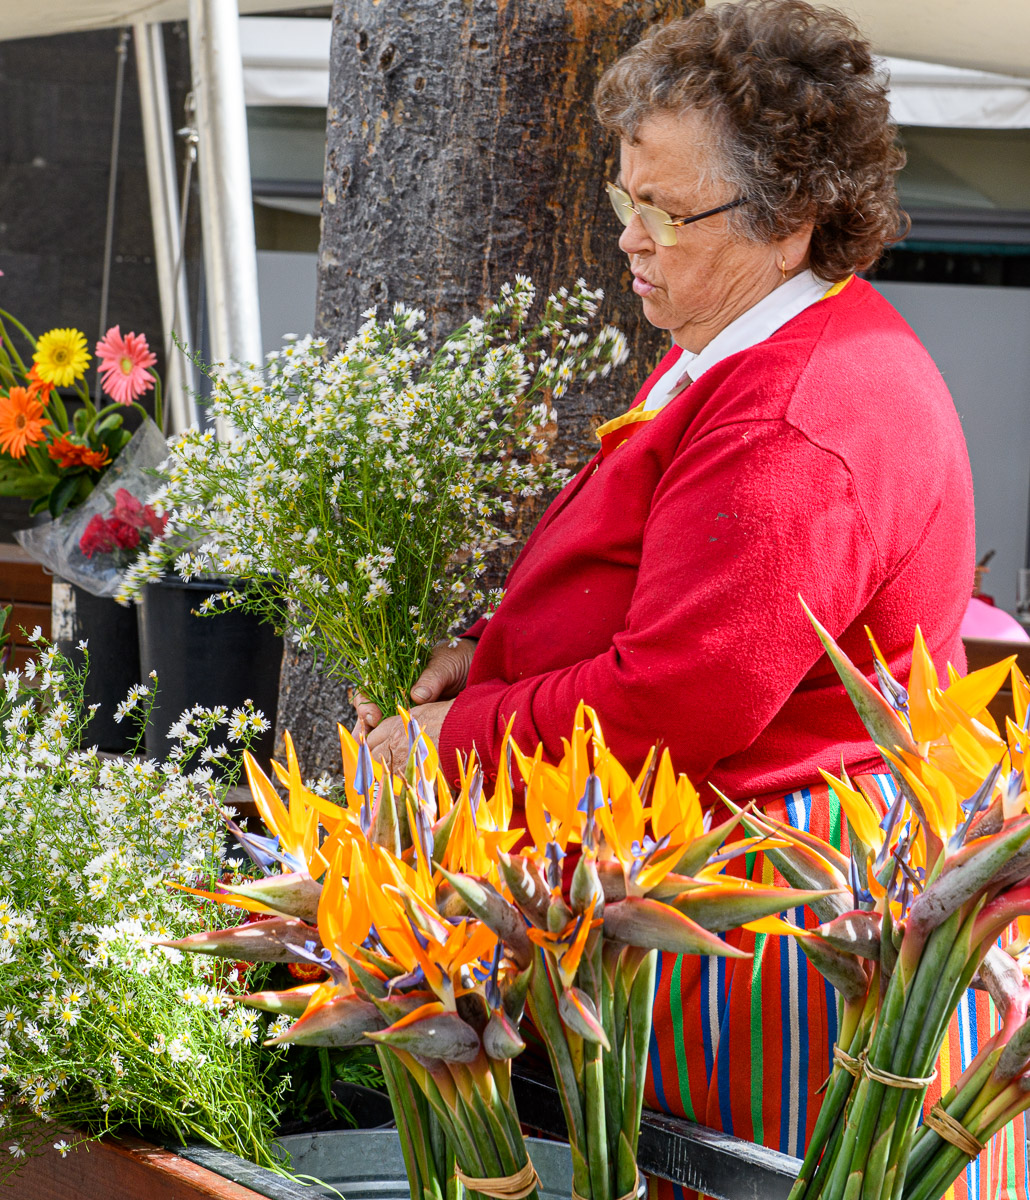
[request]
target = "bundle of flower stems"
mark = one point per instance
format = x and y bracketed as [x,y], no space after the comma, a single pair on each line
[935,879]
[648,877]
[435,936]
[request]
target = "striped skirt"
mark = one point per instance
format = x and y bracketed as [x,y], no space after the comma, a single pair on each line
[743,1045]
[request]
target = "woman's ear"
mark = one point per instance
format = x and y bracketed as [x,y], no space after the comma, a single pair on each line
[793,249]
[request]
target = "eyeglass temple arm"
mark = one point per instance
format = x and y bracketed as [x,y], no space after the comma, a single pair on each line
[709,213]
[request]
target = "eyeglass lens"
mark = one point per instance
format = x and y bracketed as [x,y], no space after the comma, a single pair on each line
[655,220]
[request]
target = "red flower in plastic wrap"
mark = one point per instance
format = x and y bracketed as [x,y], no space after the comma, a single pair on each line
[96,538]
[127,508]
[128,525]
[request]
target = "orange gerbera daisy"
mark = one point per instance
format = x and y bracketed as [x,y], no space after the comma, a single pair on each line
[39,389]
[72,454]
[21,422]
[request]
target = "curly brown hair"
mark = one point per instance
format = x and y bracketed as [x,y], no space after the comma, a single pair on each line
[800,116]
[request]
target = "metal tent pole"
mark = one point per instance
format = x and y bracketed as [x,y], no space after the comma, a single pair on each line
[227,215]
[180,381]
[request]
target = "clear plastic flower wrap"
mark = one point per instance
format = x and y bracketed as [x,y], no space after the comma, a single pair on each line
[92,545]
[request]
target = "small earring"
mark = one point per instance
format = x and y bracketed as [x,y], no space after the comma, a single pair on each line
[783,267]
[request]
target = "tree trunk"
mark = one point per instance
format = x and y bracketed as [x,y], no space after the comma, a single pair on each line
[462,148]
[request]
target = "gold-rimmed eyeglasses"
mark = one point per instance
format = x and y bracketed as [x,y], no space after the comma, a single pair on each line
[661,228]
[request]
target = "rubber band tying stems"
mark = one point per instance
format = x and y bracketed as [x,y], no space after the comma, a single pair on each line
[853,1066]
[898,1081]
[501,1187]
[631,1195]
[862,1065]
[953,1131]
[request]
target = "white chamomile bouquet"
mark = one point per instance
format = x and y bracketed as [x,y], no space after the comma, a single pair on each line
[100,1027]
[359,495]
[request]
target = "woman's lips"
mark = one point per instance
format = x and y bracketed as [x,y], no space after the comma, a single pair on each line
[641,286]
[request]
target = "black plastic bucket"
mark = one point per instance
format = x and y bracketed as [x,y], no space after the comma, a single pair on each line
[224,659]
[110,630]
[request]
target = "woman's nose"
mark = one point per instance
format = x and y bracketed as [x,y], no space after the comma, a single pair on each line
[635,239]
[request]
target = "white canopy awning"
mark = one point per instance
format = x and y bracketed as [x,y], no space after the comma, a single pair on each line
[929,94]
[286,60]
[20,19]
[989,35]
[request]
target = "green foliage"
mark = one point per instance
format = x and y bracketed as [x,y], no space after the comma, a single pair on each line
[100,1027]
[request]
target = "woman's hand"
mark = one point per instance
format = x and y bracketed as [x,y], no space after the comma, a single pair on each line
[388,742]
[444,677]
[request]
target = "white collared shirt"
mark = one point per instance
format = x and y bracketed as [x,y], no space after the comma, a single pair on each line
[760,321]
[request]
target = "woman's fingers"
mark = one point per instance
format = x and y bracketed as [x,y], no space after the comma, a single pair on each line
[367,712]
[443,679]
[388,743]
[446,672]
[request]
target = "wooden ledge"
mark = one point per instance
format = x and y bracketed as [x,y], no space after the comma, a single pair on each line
[125,1168]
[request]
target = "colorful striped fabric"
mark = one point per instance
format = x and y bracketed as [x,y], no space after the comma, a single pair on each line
[743,1045]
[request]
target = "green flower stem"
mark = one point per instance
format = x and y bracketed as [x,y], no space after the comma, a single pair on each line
[501,1073]
[42,464]
[99,414]
[858,1133]
[9,345]
[957,1104]
[476,1115]
[508,1113]
[946,1166]
[601,1091]
[634,1059]
[595,1104]
[927,1054]
[915,974]
[457,1121]
[619,965]
[495,1155]
[931,999]
[614,1066]
[894,1054]
[543,1008]
[856,1022]
[826,1164]
[597,1134]
[416,1142]
[159,412]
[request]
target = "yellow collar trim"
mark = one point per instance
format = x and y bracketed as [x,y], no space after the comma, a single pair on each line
[627,418]
[836,288]
[639,414]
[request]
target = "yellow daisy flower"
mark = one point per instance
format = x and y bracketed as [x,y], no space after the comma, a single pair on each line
[61,357]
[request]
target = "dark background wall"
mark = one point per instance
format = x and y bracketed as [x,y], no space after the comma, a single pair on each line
[57,99]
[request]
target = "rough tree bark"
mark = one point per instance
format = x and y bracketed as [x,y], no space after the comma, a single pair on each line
[462,148]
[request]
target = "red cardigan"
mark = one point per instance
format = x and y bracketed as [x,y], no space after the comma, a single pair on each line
[661,585]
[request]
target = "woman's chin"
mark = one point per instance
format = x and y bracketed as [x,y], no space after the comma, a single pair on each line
[655,311]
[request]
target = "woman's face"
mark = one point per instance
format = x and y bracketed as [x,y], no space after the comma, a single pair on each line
[697,287]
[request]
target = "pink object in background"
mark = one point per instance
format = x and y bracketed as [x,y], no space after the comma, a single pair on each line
[992,624]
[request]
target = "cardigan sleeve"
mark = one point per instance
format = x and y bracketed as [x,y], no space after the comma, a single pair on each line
[743,520]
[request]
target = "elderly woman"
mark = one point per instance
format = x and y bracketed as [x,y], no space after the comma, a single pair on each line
[795,439]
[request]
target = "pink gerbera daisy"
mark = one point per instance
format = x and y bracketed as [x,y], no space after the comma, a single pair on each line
[123,363]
